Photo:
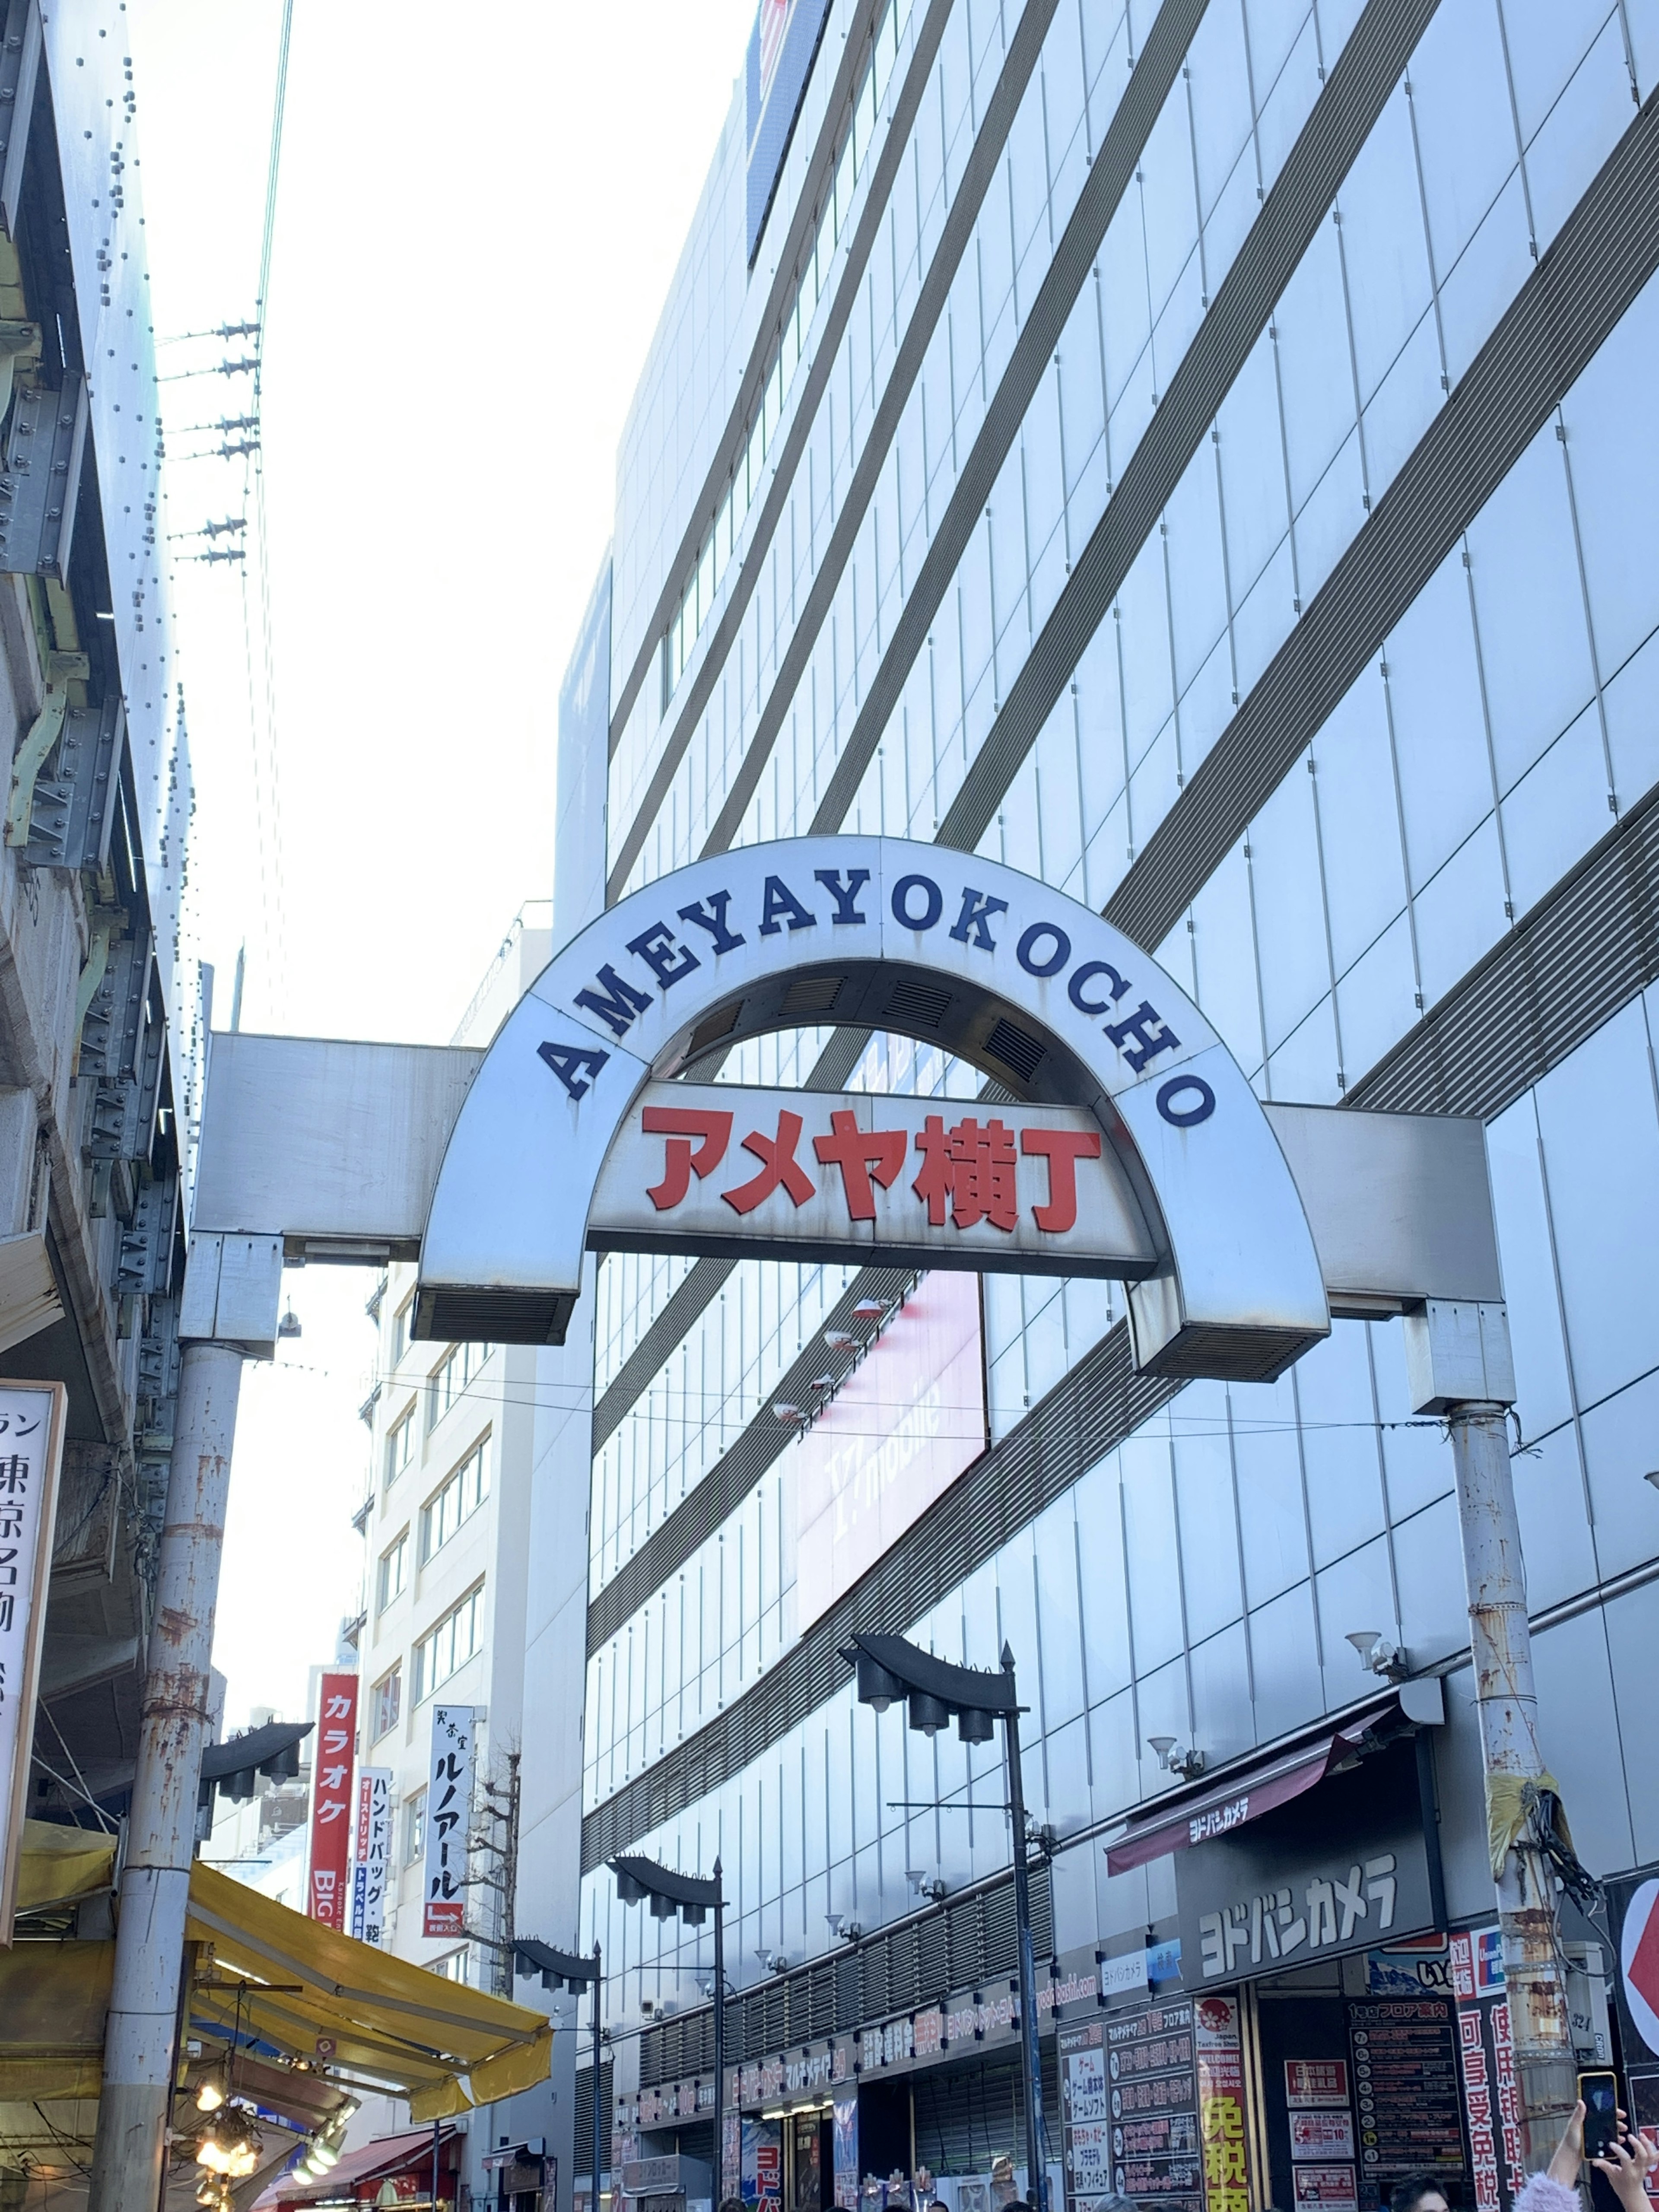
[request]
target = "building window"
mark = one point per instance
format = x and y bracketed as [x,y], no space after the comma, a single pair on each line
[394,1573]
[450,1644]
[459,1498]
[414,1827]
[452,1965]
[402,1322]
[450,1378]
[399,1446]
[387,1695]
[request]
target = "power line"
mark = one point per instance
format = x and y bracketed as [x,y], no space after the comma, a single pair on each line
[254,480]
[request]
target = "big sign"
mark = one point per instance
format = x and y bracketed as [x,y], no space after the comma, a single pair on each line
[873,934]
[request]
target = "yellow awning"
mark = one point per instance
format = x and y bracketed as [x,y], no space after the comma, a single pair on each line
[412,2030]
[60,1864]
[54,1997]
[392,2024]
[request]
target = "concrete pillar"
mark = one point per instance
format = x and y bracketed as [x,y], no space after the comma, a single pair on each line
[139,2053]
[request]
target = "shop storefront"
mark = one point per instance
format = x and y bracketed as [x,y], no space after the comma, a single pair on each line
[1302,2031]
[1326,2036]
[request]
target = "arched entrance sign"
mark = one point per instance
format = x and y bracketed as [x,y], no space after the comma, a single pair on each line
[1192,1203]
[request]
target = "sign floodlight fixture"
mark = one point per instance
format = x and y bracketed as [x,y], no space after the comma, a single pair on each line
[891,1668]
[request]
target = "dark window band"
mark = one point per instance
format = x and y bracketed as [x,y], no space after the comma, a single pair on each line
[837,121]
[1024,52]
[1110,174]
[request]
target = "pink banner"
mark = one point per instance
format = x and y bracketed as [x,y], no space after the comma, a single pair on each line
[903,1426]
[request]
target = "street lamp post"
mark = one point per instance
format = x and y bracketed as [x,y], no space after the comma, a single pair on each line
[647,1881]
[570,1970]
[936,1692]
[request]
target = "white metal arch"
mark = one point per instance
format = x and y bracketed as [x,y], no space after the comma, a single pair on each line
[1027,984]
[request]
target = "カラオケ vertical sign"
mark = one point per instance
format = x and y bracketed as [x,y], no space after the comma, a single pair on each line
[31,1448]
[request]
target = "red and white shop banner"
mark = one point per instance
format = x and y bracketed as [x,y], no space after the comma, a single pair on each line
[330,1799]
[1491,2101]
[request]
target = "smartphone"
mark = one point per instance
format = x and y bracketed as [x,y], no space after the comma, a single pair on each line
[1600,2092]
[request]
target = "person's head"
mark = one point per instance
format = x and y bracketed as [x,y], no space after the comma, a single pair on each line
[732,2204]
[1113,2202]
[1420,2192]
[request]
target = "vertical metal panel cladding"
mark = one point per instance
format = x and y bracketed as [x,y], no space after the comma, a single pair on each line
[782,47]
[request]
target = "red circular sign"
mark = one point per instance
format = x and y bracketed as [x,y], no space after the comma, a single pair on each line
[1638,1960]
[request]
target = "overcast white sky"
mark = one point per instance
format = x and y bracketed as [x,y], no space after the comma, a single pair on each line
[478,218]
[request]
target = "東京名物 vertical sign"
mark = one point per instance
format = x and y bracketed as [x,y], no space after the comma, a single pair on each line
[331,1798]
[448,1811]
[31,1446]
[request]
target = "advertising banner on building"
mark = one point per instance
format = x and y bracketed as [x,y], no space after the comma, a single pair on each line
[372,1854]
[762,2162]
[1146,2144]
[1404,2051]
[844,2114]
[448,1811]
[1492,2108]
[1218,2047]
[31,1448]
[330,1799]
[1633,1921]
[908,1420]
[781,48]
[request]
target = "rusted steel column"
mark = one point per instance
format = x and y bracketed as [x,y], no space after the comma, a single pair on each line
[138,2043]
[1500,1641]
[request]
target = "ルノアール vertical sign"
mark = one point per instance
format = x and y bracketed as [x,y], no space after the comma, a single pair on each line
[330,1799]
[31,1446]
[448,1809]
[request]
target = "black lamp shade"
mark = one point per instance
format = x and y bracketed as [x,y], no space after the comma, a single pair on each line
[876,1687]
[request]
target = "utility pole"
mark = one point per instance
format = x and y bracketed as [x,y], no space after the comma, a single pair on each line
[140,2040]
[1459,1364]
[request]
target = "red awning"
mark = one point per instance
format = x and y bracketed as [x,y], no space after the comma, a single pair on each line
[388,2158]
[1246,1794]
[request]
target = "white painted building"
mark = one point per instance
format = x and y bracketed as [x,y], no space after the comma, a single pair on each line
[445,1525]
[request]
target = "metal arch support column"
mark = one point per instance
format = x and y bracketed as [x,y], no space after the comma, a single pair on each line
[139,2053]
[1460,1364]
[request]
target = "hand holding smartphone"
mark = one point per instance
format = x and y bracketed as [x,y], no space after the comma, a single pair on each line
[1599,2091]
